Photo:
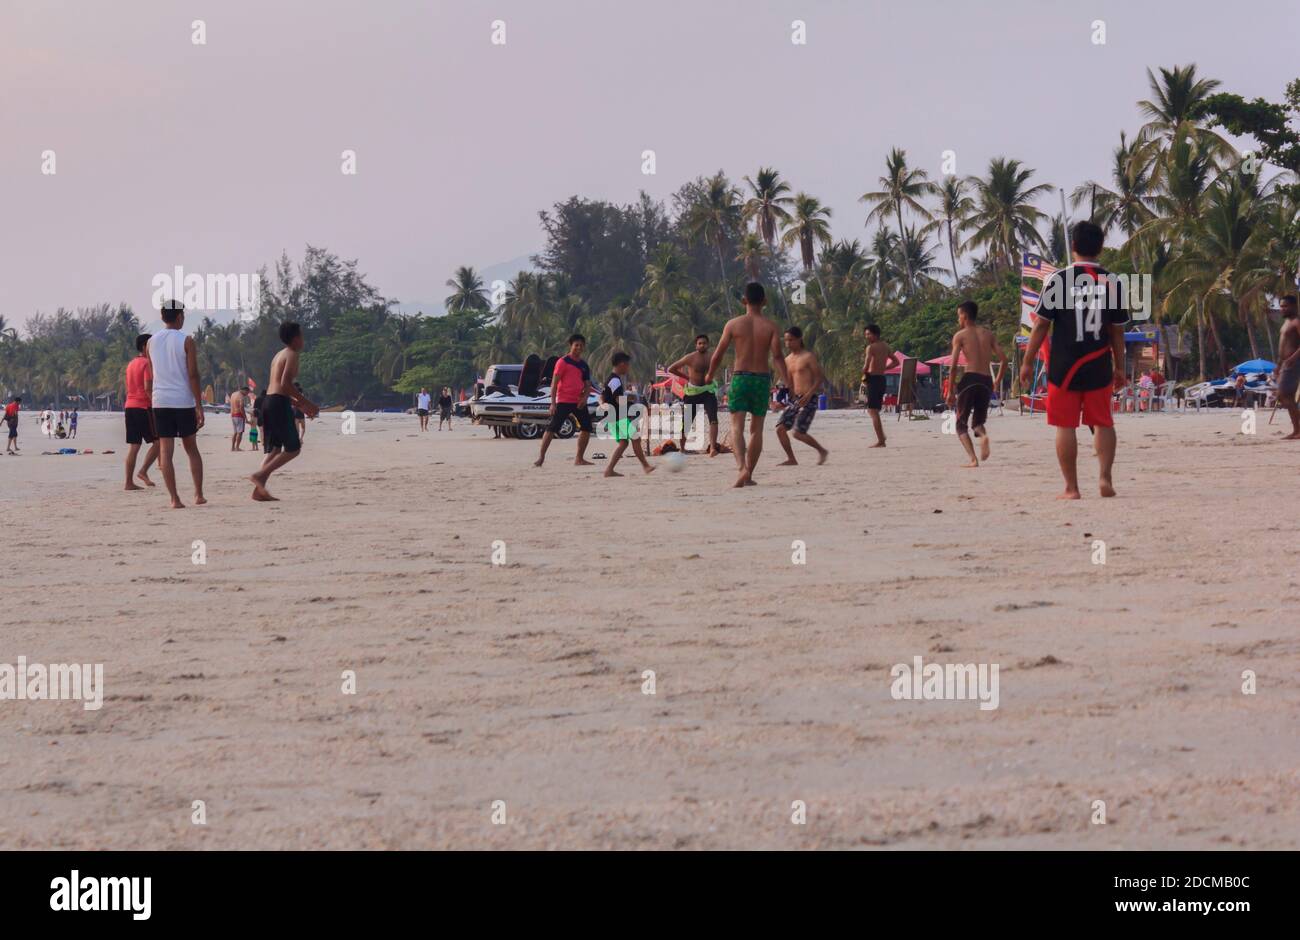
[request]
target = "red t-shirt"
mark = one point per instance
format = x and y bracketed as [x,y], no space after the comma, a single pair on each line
[11,409]
[138,372]
[569,377]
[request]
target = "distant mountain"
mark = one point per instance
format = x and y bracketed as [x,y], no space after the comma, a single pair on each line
[502,271]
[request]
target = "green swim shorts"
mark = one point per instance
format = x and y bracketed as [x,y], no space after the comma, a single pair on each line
[750,392]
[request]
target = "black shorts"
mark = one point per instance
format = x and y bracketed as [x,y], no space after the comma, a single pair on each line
[708,400]
[13,427]
[875,391]
[422,412]
[444,412]
[175,422]
[973,394]
[139,426]
[798,418]
[278,429]
[564,409]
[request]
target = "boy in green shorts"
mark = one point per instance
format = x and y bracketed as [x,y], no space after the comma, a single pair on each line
[615,394]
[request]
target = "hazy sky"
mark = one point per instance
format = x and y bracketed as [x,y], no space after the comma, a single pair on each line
[217,157]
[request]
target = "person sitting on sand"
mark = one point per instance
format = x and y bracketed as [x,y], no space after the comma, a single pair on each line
[283,398]
[977,345]
[1085,312]
[807,378]
[619,400]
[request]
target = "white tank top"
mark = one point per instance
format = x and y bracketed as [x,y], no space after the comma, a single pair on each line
[171,374]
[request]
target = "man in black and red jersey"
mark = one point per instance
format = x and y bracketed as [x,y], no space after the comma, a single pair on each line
[1084,307]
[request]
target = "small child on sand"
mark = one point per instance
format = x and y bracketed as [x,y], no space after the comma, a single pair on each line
[616,395]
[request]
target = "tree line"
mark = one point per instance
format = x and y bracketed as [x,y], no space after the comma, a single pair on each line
[1218,231]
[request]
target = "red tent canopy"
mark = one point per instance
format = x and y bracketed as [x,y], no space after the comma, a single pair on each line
[946,361]
[921,367]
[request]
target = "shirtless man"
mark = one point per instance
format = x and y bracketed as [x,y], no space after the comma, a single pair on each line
[806,374]
[1288,367]
[879,359]
[282,397]
[758,346]
[237,419]
[693,367]
[971,397]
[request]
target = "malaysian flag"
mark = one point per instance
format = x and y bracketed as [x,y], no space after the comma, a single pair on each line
[1032,265]
[1028,304]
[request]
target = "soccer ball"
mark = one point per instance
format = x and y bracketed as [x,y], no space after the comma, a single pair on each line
[674,461]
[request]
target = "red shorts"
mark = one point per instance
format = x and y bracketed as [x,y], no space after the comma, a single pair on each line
[1064,407]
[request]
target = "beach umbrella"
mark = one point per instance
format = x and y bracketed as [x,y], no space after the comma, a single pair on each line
[921,367]
[1254,365]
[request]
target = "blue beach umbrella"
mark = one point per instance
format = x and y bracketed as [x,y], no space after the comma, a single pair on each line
[1254,365]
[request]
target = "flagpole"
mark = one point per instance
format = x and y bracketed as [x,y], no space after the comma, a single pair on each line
[1065,225]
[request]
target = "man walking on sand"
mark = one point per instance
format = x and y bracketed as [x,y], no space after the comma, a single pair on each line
[11,424]
[422,403]
[138,413]
[806,374]
[1084,308]
[758,346]
[570,385]
[698,393]
[879,359]
[177,403]
[283,398]
[971,398]
[237,419]
[1288,366]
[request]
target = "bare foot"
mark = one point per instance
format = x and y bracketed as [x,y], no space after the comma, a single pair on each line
[261,494]
[537,463]
[1107,488]
[788,463]
[177,504]
[131,486]
[1070,494]
[742,479]
[880,444]
[144,478]
[822,455]
[583,463]
[200,501]
[1294,436]
[649,468]
[972,464]
[984,447]
[611,472]
[751,483]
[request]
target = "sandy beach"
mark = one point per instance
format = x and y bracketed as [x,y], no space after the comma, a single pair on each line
[523,682]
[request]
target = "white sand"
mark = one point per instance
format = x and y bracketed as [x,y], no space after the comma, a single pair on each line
[522,683]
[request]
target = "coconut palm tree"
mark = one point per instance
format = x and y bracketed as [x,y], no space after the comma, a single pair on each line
[901,187]
[954,208]
[1005,217]
[1172,109]
[713,219]
[468,292]
[767,209]
[809,227]
[751,253]
[1128,205]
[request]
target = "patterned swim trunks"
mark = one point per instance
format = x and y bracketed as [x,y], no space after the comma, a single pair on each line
[800,419]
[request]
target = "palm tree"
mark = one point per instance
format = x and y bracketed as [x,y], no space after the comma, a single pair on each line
[1005,217]
[809,226]
[627,328]
[767,208]
[1173,106]
[714,218]
[955,207]
[1127,206]
[468,292]
[751,252]
[900,186]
